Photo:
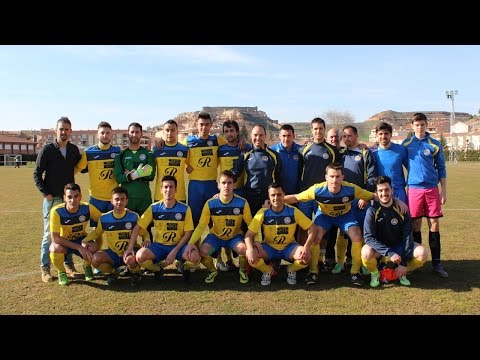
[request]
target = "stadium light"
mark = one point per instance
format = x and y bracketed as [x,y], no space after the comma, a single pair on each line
[451,95]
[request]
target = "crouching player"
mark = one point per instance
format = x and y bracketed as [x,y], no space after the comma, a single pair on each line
[68,223]
[278,224]
[388,233]
[117,226]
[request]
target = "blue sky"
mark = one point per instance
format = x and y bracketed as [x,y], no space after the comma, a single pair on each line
[151,84]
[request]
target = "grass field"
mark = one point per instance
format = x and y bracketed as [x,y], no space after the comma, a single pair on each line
[24,293]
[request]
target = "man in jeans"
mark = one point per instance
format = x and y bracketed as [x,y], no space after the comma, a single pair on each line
[53,170]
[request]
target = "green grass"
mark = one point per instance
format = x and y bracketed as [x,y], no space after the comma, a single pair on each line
[24,293]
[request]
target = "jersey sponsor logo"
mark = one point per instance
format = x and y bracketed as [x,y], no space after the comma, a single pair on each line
[426,152]
[108,165]
[111,227]
[67,221]
[192,145]
[218,212]
[204,162]
[357,158]
[279,239]
[282,230]
[172,226]
[326,201]
[173,162]
[82,218]
[77,228]
[339,207]
[207,152]
[105,174]
[169,236]
[160,216]
[287,220]
[394,221]
[180,153]
[226,153]
[345,199]
[121,246]
[296,157]
[236,211]
[229,222]
[96,157]
[325,156]
[142,157]
[128,225]
[209,142]
[380,219]
[163,153]
[127,158]
[178,216]
[124,235]
[269,221]
[226,232]
[265,158]
[171,171]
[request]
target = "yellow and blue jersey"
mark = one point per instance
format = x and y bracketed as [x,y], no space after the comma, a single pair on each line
[359,167]
[227,218]
[278,229]
[70,226]
[171,161]
[227,157]
[203,156]
[335,204]
[316,157]
[100,164]
[117,231]
[170,223]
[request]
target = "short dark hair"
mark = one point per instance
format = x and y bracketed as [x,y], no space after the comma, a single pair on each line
[72,186]
[171,122]
[120,190]
[318,120]
[384,126]
[135,124]
[419,117]
[230,124]
[382,180]
[354,129]
[287,127]
[104,124]
[227,173]
[275,185]
[204,115]
[64,120]
[169,178]
[334,166]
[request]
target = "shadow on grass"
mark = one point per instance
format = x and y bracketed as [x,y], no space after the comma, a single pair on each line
[463,277]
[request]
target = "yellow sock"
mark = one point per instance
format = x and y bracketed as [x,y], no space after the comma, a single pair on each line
[242,261]
[149,265]
[87,264]
[296,265]
[57,260]
[99,242]
[207,261]
[341,248]
[188,265]
[414,264]
[106,268]
[260,265]
[313,265]
[321,257]
[371,264]
[356,256]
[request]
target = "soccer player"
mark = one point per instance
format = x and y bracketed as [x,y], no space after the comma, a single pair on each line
[68,223]
[262,167]
[388,233]
[426,168]
[171,161]
[173,221]
[53,170]
[99,161]
[227,157]
[278,224]
[134,169]
[391,159]
[117,226]
[226,212]
[334,198]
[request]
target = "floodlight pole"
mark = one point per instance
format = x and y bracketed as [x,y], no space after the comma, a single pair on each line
[451,95]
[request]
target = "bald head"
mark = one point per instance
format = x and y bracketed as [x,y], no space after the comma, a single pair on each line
[333,137]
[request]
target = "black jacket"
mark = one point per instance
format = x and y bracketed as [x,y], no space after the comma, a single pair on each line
[58,170]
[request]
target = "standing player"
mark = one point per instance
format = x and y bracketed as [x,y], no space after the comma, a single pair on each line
[226,213]
[68,223]
[388,233]
[173,222]
[117,226]
[53,170]
[278,224]
[426,168]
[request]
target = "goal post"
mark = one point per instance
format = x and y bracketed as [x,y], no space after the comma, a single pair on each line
[9,159]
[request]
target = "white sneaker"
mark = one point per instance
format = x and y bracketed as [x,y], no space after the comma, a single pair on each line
[291,277]
[266,278]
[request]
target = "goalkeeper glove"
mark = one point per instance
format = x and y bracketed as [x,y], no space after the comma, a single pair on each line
[142,170]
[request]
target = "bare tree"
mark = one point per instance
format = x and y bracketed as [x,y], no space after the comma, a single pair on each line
[338,118]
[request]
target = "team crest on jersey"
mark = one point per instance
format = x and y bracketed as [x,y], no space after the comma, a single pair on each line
[265,158]
[112,155]
[287,220]
[178,216]
[179,153]
[142,157]
[345,199]
[394,221]
[426,152]
[209,142]
[82,218]
[128,225]
[236,211]
[295,157]
[357,158]
[325,156]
